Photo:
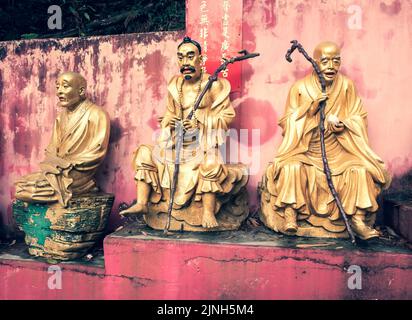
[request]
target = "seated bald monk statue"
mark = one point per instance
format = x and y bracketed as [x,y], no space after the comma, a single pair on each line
[78,146]
[296,198]
[205,183]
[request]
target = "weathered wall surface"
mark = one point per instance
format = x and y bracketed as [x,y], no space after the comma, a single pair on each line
[127,76]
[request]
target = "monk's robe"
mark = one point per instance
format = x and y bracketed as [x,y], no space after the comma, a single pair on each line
[78,146]
[296,177]
[201,166]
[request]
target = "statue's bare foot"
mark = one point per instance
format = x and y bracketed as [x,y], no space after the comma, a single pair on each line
[209,220]
[137,208]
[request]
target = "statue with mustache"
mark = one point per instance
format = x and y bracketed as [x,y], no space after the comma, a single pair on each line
[205,183]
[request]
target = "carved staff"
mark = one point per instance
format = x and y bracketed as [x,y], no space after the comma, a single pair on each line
[326,169]
[181,133]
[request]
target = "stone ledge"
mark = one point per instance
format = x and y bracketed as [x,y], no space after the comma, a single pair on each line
[140,263]
[256,265]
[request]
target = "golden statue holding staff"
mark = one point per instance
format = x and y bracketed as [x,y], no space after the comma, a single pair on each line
[295,196]
[205,184]
[78,146]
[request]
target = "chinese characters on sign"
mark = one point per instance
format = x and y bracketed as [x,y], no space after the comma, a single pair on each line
[217,25]
[204,31]
[225,33]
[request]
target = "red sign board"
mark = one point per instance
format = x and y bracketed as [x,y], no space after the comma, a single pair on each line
[217,26]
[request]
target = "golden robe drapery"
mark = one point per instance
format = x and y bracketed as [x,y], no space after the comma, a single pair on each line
[201,168]
[78,145]
[296,178]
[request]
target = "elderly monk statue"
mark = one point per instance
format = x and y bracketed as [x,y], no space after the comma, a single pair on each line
[203,177]
[296,198]
[77,147]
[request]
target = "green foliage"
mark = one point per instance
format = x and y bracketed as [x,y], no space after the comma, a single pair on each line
[29,36]
[28,19]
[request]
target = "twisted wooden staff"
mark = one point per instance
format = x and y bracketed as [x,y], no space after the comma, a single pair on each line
[326,169]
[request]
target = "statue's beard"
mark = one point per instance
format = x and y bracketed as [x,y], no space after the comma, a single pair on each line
[188,76]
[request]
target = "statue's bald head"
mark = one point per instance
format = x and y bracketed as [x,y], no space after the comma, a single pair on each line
[71,89]
[326,47]
[327,56]
[75,77]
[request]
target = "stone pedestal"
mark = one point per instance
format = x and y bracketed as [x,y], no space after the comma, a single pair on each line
[276,222]
[233,211]
[52,231]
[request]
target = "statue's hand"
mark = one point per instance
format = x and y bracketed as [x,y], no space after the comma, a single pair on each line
[190,124]
[336,127]
[173,121]
[315,104]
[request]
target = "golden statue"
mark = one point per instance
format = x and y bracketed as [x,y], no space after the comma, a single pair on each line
[295,198]
[210,195]
[78,146]
[60,208]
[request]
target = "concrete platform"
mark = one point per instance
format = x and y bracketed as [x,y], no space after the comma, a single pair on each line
[140,263]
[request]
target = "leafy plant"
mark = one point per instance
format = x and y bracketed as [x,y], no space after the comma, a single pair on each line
[28,19]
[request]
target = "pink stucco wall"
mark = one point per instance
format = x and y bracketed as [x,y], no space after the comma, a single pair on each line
[128,75]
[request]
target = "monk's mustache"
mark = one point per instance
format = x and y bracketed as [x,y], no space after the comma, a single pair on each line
[187,68]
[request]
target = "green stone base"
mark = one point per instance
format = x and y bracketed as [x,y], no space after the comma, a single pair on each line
[52,231]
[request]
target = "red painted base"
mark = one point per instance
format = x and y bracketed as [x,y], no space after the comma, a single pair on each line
[151,267]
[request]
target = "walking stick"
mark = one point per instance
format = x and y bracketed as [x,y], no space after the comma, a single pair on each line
[244,54]
[326,169]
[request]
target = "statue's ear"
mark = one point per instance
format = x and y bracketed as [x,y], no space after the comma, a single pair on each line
[82,92]
[201,58]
